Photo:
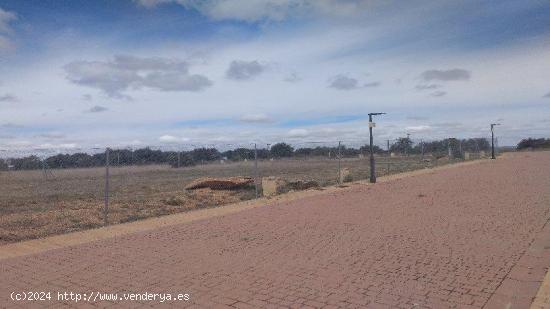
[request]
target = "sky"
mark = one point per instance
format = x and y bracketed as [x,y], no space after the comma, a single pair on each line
[88,74]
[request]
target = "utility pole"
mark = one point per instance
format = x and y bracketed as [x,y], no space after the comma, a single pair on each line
[372,165]
[388,141]
[493,139]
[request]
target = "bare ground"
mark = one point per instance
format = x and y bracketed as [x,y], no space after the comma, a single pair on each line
[34,205]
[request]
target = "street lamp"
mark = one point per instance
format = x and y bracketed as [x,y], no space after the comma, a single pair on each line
[493,139]
[372,167]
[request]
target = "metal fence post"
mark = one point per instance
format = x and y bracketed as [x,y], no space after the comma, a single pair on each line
[44,168]
[422,149]
[106,208]
[339,164]
[256,174]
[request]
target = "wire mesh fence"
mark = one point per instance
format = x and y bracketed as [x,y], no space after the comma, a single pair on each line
[52,192]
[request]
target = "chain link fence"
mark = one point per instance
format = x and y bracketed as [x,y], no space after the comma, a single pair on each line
[45,192]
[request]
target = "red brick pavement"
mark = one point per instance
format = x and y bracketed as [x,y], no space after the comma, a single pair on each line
[447,239]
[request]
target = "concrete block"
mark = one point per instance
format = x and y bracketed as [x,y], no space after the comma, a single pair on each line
[273,185]
[345,175]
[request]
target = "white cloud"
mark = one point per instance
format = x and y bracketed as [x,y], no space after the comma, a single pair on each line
[427,86]
[125,72]
[256,118]
[296,133]
[343,82]
[371,84]
[266,10]
[52,135]
[171,139]
[446,75]
[418,129]
[438,94]
[97,109]
[6,18]
[6,44]
[8,98]
[244,70]
[11,125]
[58,146]
[292,78]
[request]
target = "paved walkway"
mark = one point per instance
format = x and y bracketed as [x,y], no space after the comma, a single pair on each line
[463,237]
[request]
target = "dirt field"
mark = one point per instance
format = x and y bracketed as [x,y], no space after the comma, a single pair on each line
[34,204]
[469,237]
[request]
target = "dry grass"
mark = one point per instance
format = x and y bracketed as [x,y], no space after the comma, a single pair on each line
[33,205]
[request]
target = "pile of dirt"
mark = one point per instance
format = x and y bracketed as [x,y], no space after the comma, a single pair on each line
[229,183]
[275,185]
[299,185]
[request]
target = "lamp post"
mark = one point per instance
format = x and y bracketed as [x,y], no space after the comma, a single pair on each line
[493,139]
[372,166]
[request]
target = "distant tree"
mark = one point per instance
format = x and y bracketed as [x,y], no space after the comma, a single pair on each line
[366,149]
[3,165]
[239,154]
[181,159]
[319,151]
[534,143]
[281,150]
[264,153]
[303,152]
[402,145]
[205,154]
[27,163]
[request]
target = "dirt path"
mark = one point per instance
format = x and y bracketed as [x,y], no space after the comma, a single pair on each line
[463,237]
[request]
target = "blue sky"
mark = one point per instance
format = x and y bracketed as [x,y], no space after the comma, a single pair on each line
[81,74]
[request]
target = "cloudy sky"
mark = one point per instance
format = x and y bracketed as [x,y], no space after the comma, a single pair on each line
[83,73]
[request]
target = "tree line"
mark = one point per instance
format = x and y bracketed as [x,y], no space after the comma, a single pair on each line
[534,143]
[456,146]
[146,156]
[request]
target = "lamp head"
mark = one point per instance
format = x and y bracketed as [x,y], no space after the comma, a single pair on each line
[375,114]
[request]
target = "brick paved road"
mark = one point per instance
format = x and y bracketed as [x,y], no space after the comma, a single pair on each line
[439,240]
